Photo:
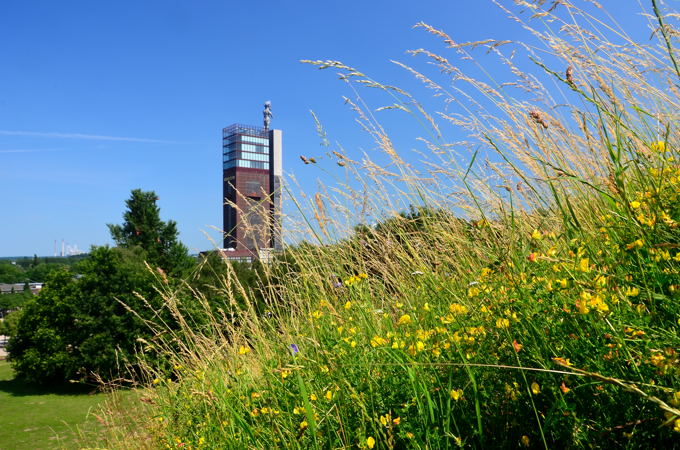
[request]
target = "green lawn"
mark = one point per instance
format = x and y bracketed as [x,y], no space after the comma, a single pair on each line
[39,418]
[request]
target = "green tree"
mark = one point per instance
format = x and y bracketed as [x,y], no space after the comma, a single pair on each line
[78,327]
[13,301]
[10,323]
[41,272]
[142,227]
[42,348]
[11,273]
[93,324]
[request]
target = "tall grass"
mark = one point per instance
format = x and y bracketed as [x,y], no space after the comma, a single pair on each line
[531,298]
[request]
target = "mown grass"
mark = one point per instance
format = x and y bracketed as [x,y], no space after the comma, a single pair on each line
[43,418]
[532,300]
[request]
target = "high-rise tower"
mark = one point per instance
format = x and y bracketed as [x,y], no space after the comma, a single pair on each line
[252,172]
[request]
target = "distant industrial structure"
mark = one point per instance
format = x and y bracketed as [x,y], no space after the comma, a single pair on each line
[252,173]
[67,250]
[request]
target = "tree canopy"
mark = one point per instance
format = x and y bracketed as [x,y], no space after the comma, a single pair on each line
[142,227]
[79,326]
[95,318]
[84,324]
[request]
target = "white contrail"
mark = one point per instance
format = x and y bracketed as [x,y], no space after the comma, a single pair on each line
[29,150]
[95,137]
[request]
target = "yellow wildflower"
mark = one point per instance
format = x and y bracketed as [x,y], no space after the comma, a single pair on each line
[632,292]
[502,322]
[378,341]
[404,320]
[659,146]
[535,388]
[657,359]
[525,440]
[600,304]
[584,265]
[675,399]
[639,243]
[446,319]
[536,235]
[457,308]
[242,350]
[483,223]
[562,361]
[348,305]
[370,442]
[456,394]
[635,204]
[329,396]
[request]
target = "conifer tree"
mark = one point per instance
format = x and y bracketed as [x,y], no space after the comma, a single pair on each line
[142,227]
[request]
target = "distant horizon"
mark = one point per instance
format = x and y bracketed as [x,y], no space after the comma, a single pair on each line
[59,256]
[43,256]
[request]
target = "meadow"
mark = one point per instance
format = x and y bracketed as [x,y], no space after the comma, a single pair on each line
[530,297]
[38,418]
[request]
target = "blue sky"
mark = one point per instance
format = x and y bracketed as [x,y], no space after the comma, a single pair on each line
[99,98]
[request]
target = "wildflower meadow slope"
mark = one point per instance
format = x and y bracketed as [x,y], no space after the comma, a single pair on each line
[532,298]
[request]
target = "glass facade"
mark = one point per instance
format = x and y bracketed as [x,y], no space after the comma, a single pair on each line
[256,140]
[243,150]
[231,156]
[246,164]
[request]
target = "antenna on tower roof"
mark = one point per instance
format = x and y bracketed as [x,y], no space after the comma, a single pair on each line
[267,114]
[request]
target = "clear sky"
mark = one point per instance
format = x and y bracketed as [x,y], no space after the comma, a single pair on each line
[98,98]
